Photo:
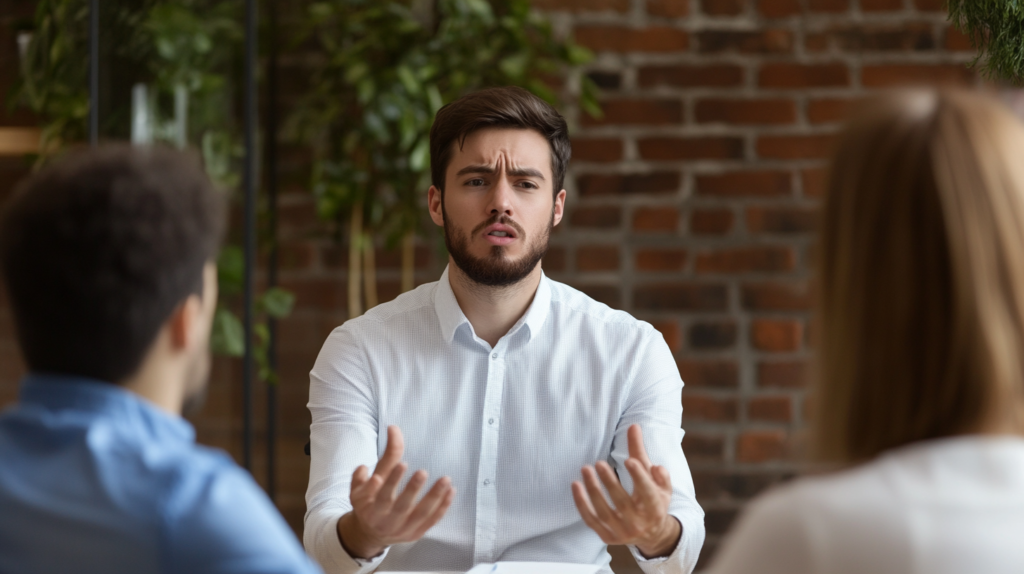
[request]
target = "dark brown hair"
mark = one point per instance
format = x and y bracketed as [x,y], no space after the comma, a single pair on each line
[920,279]
[504,107]
[97,251]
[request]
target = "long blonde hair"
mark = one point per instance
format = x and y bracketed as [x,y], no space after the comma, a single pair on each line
[920,276]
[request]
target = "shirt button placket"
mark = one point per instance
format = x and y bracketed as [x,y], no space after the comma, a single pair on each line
[487,494]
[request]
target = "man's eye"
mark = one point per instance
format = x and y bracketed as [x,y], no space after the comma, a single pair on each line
[476,182]
[528,185]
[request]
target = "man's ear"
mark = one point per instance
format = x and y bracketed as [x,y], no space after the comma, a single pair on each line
[183,320]
[434,204]
[559,208]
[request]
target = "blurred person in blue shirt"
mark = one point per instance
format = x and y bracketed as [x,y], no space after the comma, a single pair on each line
[108,261]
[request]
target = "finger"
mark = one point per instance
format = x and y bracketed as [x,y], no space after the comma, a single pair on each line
[392,452]
[604,512]
[620,498]
[636,445]
[365,497]
[386,496]
[404,501]
[645,491]
[427,505]
[436,516]
[586,510]
[662,477]
[359,478]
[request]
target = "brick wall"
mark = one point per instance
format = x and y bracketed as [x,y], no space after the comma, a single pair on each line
[690,205]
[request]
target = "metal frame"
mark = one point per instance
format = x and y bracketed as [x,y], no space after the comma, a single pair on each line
[249,193]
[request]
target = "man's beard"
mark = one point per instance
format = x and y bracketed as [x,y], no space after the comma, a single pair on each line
[495,270]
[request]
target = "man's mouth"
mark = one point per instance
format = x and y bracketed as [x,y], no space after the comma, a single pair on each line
[499,234]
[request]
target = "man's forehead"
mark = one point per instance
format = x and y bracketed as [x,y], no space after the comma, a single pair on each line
[489,146]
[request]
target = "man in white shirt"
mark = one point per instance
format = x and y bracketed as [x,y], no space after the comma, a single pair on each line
[552,420]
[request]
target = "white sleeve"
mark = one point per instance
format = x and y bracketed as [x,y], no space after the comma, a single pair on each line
[772,536]
[655,403]
[343,435]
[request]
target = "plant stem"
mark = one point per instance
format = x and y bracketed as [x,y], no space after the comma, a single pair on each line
[408,261]
[369,272]
[355,236]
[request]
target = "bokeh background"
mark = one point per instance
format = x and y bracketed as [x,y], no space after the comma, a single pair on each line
[691,205]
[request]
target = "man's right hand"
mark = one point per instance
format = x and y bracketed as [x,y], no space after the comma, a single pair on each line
[379,518]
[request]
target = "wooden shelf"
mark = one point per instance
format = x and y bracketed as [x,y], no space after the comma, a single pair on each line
[19,141]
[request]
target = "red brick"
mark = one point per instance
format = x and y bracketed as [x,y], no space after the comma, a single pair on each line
[776,296]
[610,295]
[721,7]
[746,260]
[392,258]
[746,112]
[293,255]
[783,220]
[581,5]
[705,335]
[761,446]
[745,184]
[957,41]
[297,215]
[597,149]
[916,36]
[719,374]
[881,5]
[709,408]
[828,110]
[321,293]
[816,42]
[881,75]
[676,148]
[691,76]
[828,5]
[597,258]
[776,335]
[655,219]
[770,41]
[638,112]
[555,259]
[680,297]
[814,181]
[930,5]
[700,447]
[711,221]
[778,8]
[668,8]
[777,409]
[659,182]
[817,146]
[669,329]
[660,259]
[623,39]
[603,217]
[782,374]
[803,75]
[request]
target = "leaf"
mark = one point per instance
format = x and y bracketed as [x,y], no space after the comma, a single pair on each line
[277,302]
[230,270]
[419,159]
[227,337]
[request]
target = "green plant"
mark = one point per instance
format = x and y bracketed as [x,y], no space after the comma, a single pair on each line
[384,69]
[178,48]
[996,30]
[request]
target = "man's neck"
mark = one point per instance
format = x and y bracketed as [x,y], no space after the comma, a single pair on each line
[492,310]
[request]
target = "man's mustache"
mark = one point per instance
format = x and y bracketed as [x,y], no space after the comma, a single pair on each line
[503,220]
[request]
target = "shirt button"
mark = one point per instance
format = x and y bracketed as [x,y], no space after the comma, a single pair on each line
[487,481]
[490,421]
[494,356]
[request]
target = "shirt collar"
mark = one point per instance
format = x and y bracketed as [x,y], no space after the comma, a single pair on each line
[451,317]
[103,400]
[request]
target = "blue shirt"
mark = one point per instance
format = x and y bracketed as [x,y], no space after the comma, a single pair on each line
[95,479]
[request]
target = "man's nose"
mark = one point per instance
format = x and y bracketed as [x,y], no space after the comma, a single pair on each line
[501,198]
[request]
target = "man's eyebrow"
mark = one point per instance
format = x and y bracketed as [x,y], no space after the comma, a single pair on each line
[516,172]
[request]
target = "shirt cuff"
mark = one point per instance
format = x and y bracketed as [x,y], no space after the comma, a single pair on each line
[651,564]
[340,560]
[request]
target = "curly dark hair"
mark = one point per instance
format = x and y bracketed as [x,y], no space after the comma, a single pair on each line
[98,249]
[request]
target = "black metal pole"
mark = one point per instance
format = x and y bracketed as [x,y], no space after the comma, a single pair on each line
[271,160]
[94,72]
[249,185]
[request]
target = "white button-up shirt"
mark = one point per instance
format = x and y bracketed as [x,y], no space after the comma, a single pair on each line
[511,425]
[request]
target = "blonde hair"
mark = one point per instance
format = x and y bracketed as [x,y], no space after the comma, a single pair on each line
[920,276]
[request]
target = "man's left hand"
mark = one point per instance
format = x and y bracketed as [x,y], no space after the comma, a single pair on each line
[641,519]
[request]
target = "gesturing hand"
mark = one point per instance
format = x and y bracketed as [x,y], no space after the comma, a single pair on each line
[641,519]
[379,518]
